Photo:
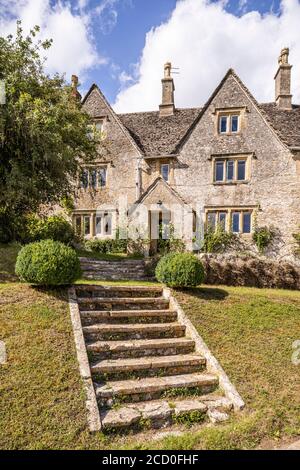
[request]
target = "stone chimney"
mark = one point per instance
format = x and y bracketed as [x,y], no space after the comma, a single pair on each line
[167,108]
[283,95]
[74,83]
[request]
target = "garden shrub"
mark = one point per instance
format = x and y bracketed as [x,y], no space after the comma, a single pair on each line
[216,240]
[54,227]
[262,237]
[180,270]
[99,245]
[48,263]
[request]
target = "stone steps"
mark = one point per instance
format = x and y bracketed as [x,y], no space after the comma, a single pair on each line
[141,360]
[127,316]
[152,388]
[148,366]
[159,413]
[141,348]
[133,331]
[127,303]
[114,270]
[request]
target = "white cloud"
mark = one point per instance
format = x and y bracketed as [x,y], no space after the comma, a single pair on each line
[73,49]
[108,15]
[204,40]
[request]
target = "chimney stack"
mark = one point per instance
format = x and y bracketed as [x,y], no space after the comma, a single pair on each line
[74,83]
[283,95]
[167,108]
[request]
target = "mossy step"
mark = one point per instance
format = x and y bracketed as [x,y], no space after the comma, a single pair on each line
[156,385]
[159,413]
[90,317]
[141,347]
[146,363]
[133,331]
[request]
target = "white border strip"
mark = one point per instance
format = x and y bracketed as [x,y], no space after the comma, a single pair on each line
[94,420]
[213,365]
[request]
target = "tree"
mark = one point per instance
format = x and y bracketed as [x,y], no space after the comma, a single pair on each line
[44,133]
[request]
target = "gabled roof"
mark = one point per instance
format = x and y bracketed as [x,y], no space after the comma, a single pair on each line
[156,182]
[159,136]
[113,114]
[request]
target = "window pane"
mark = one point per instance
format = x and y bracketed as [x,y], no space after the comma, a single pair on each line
[107,223]
[223,124]
[234,123]
[78,225]
[165,172]
[102,177]
[86,222]
[236,222]
[219,171]
[247,222]
[230,170]
[211,220]
[99,125]
[241,170]
[98,225]
[222,219]
[93,179]
[84,179]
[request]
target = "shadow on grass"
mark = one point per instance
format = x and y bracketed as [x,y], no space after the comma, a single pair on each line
[205,293]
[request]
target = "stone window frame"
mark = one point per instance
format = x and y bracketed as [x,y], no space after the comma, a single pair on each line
[92,215]
[93,125]
[229,113]
[229,211]
[236,157]
[96,167]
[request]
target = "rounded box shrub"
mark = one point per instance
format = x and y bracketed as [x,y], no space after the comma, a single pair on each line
[180,270]
[48,263]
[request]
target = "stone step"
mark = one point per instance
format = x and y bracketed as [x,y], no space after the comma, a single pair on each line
[152,388]
[141,348]
[115,277]
[148,366]
[159,413]
[130,303]
[133,331]
[118,291]
[105,262]
[127,316]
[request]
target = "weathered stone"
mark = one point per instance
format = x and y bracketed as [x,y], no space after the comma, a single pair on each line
[216,416]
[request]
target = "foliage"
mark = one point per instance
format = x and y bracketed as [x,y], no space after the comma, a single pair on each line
[262,237]
[171,244]
[54,227]
[180,270]
[216,240]
[42,130]
[48,263]
[107,245]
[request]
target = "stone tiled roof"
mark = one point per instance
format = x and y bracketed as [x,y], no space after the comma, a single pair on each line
[159,136]
[286,123]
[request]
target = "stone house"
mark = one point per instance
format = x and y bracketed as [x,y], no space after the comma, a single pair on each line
[234,162]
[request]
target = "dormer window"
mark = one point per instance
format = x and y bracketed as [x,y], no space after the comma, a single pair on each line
[229,123]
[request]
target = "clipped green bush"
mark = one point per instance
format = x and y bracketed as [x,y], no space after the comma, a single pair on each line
[180,270]
[99,245]
[48,263]
[54,227]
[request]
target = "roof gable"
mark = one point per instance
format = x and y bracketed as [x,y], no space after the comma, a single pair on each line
[97,105]
[157,186]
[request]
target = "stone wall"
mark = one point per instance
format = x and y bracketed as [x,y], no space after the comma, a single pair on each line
[250,271]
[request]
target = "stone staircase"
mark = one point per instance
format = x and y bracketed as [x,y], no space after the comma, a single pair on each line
[102,270]
[145,370]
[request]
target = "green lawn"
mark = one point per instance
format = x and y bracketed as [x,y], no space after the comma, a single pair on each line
[250,331]
[108,256]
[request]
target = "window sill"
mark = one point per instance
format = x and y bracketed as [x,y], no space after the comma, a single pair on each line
[228,134]
[229,183]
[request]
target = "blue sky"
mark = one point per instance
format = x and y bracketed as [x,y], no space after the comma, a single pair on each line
[122,44]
